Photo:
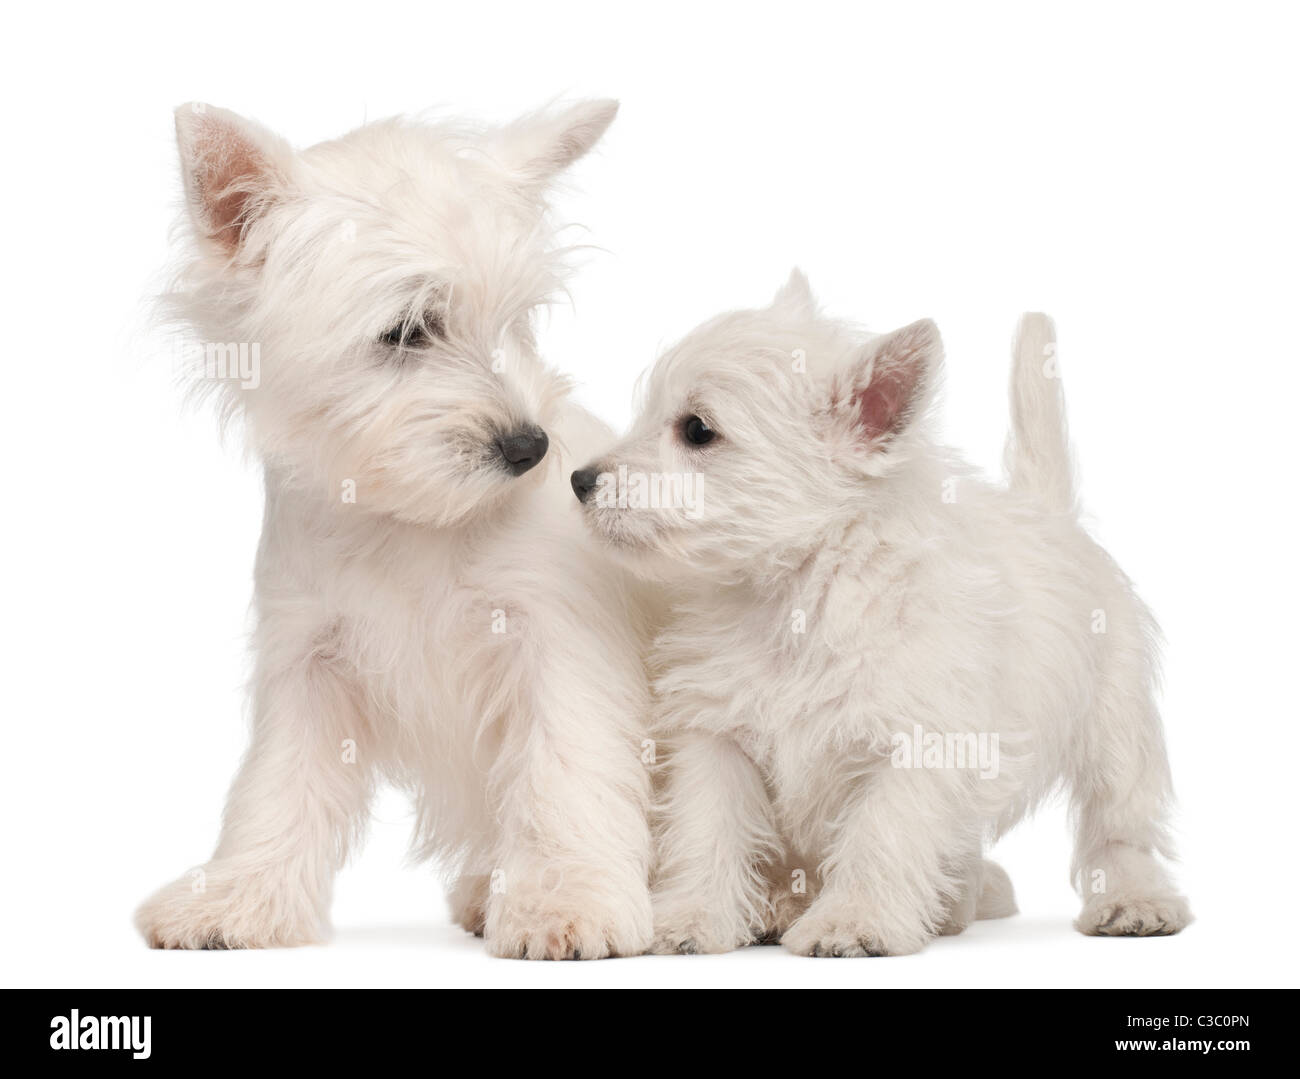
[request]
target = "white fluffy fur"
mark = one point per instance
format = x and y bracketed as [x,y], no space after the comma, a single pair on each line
[926,597]
[454,630]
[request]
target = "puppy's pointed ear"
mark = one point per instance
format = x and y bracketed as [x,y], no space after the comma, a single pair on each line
[232,169]
[888,385]
[796,295]
[539,146]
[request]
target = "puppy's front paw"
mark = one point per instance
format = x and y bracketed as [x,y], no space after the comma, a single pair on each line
[547,926]
[838,929]
[210,910]
[1134,916]
[696,929]
[696,936]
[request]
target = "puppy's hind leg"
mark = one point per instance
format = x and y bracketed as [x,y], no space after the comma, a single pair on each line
[298,800]
[996,897]
[789,891]
[1121,795]
[986,893]
[468,898]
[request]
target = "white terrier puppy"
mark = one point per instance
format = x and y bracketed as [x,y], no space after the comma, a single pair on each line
[864,613]
[430,610]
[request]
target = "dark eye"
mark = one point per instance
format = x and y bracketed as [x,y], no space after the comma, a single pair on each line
[696,431]
[403,336]
[416,334]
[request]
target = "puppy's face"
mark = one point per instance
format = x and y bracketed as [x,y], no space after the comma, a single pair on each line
[386,283]
[775,424]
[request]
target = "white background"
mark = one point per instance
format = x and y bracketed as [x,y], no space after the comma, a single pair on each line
[1130,169]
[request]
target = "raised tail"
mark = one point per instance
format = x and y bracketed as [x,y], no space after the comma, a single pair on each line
[1037,455]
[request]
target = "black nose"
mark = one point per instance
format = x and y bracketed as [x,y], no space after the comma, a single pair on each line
[523,449]
[584,482]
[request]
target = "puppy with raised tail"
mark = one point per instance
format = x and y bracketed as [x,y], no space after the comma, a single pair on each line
[882,661]
[429,609]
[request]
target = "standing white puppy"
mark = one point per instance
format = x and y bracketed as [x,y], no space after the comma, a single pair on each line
[885,661]
[429,609]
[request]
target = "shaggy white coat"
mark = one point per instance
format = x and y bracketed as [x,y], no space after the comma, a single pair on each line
[423,615]
[852,582]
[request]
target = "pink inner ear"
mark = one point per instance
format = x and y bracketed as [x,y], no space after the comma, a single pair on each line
[882,403]
[227,175]
[898,364]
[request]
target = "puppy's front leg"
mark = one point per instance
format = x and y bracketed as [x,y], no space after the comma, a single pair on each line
[297,801]
[888,875]
[715,840]
[571,794]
